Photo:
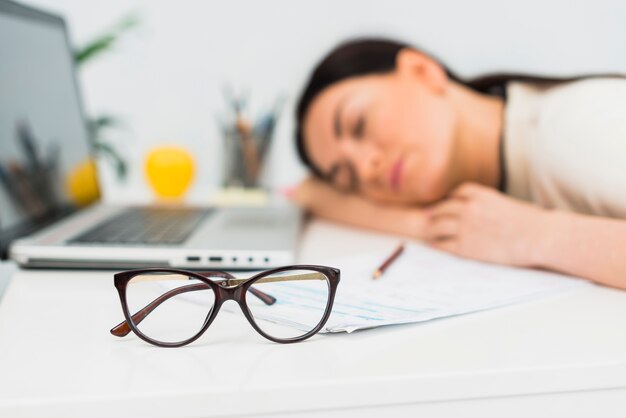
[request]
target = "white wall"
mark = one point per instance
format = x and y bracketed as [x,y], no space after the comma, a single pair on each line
[165,78]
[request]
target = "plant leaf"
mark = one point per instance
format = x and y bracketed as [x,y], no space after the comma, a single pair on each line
[104,42]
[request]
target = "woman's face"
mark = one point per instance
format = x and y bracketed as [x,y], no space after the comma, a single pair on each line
[390,137]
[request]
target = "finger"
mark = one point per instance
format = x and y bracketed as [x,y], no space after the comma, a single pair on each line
[442,229]
[449,207]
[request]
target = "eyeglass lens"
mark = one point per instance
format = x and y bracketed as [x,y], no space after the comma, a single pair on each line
[301,300]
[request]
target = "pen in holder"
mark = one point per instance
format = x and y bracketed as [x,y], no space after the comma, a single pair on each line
[246,144]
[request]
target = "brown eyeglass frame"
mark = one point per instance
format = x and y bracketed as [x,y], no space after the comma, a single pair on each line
[231,288]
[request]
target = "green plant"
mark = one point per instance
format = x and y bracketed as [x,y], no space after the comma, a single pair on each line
[95,48]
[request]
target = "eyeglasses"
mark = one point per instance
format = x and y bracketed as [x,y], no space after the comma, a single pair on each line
[172,308]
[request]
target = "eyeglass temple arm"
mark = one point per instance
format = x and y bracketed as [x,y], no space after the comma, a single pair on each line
[122,329]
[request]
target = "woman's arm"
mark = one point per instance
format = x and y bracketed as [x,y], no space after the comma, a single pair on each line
[586,246]
[480,223]
[322,200]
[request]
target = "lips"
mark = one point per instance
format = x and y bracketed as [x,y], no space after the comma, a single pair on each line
[395,175]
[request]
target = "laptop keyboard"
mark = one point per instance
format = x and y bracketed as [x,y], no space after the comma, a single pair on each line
[152,226]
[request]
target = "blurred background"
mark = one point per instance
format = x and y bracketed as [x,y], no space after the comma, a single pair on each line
[163,79]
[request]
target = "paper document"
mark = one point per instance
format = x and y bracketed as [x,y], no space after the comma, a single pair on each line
[425,284]
[422,284]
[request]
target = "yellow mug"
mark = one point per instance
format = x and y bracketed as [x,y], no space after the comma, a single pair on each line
[169,170]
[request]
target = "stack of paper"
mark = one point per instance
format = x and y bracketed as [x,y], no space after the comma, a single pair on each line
[423,284]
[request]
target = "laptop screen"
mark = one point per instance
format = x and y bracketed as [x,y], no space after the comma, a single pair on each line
[44,148]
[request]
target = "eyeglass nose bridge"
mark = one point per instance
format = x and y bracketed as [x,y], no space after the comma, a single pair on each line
[230,292]
[237,294]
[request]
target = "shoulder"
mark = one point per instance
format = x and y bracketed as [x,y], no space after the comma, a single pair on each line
[574,140]
[583,113]
[585,117]
[567,99]
[584,101]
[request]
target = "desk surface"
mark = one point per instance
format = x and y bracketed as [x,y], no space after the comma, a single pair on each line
[58,359]
[7,269]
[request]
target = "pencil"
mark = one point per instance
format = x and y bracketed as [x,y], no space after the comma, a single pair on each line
[385,265]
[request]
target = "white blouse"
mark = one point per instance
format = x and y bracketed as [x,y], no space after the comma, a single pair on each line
[565,145]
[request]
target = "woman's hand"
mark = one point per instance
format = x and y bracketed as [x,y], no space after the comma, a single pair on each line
[481,223]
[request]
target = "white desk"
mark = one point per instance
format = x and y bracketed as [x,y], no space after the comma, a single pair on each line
[7,269]
[557,356]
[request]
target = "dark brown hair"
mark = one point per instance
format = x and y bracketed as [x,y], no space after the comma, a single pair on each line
[364,56]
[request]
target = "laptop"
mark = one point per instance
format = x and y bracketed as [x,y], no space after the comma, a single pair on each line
[44,143]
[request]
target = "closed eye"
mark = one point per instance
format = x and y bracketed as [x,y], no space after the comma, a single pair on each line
[343,176]
[359,128]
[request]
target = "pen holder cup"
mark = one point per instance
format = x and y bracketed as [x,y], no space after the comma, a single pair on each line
[243,158]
